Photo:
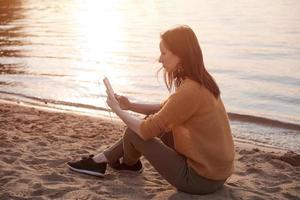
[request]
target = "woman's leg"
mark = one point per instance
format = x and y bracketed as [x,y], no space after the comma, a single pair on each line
[157,153]
[167,139]
[170,164]
[115,152]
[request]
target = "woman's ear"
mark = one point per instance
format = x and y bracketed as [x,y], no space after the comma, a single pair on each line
[179,65]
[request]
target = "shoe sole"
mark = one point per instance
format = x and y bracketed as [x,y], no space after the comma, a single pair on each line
[86,171]
[130,171]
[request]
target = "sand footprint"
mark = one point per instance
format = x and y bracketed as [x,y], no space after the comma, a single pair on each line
[34,161]
[271,189]
[55,177]
[9,159]
[40,190]
[57,162]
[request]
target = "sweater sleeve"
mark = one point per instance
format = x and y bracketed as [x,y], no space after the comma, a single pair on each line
[179,107]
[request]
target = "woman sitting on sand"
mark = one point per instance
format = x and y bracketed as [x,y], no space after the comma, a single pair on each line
[187,138]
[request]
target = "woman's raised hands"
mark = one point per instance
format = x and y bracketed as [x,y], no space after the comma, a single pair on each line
[124,102]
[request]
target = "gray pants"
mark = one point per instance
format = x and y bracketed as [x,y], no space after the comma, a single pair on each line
[161,154]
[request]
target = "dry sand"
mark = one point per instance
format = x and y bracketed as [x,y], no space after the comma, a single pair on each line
[35,144]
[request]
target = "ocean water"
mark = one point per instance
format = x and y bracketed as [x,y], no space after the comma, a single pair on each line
[58,51]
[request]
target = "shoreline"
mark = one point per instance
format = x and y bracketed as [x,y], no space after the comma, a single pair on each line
[119,122]
[36,143]
[240,123]
[63,105]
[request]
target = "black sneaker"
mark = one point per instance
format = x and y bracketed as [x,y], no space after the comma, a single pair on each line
[88,166]
[138,167]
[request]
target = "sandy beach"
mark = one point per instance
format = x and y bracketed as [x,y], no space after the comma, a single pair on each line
[35,145]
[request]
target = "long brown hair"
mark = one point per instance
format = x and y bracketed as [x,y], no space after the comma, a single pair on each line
[183,43]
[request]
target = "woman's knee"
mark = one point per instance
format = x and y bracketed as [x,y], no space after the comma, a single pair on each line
[129,134]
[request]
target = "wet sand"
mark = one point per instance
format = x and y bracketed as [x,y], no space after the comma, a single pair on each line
[36,143]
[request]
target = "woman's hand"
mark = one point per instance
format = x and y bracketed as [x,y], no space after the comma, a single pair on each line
[112,102]
[124,102]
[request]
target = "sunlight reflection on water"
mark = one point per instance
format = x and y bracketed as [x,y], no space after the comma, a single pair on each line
[60,49]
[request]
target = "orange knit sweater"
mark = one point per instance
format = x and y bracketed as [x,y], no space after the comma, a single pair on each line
[200,128]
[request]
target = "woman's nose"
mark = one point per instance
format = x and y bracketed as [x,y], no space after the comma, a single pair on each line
[160,60]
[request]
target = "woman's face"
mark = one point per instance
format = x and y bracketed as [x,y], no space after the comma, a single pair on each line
[168,59]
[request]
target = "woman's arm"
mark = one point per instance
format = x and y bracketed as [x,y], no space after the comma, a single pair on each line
[132,122]
[145,109]
[142,108]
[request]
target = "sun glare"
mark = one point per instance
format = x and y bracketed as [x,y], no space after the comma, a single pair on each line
[99,26]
